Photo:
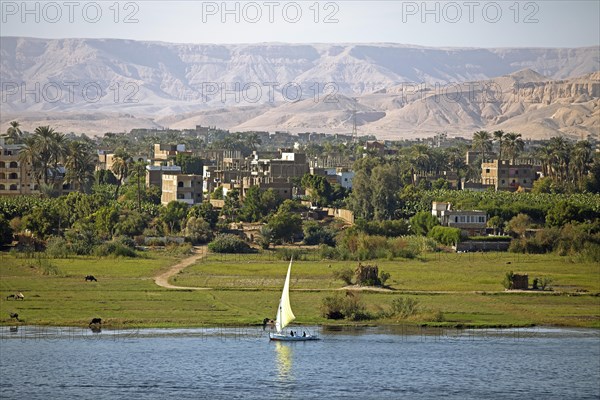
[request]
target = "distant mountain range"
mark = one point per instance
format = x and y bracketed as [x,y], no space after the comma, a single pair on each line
[392,90]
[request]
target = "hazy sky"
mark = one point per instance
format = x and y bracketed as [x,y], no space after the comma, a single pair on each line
[432,23]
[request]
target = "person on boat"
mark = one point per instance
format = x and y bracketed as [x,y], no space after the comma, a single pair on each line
[292,333]
[303,333]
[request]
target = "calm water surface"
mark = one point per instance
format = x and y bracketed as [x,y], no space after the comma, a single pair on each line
[374,363]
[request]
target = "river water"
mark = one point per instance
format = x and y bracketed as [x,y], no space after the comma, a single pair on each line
[367,363]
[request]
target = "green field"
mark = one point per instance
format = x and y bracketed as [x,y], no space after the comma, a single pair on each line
[465,289]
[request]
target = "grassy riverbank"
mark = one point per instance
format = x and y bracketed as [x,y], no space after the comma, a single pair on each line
[451,289]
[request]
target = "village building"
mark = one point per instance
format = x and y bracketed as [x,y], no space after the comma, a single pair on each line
[181,187]
[504,175]
[471,222]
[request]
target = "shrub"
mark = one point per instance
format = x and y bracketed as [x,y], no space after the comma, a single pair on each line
[328,252]
[47,268]
[344,274]
[340,307]
[56,247]
[266,236]
[332,307]
[228,243]
[314,233]
[198,230]
[383,277]
[544,282]
[114,249]
[125,241]
[445,235]
[422,222]
[404,307]
[360,246]
[287,253]
[507,282]
[177,249]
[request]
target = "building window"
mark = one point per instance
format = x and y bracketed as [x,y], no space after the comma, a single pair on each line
[13,164]
[517,172]
[2,175]
[13,175]
[180,184]
[487,170]
[2,165]
[13,187]
[455,219]
[503,181]
[180,196]
[524,180]
[2,187]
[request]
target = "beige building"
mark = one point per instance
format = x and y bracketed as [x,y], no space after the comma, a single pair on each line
[164,153]
[180,187]
[503,175]
[15,176]
[155,173]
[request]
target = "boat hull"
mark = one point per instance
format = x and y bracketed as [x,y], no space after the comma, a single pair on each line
[288,338]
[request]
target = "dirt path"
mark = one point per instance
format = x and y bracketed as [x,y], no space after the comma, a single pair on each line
[163,278]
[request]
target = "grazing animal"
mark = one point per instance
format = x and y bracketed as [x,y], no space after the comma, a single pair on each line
[10,296]
[16,296]
[14,316]
[91,278]
[95,321]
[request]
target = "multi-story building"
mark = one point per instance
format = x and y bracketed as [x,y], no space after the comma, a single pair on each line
[154,173]
[106,159]
[15,176]
[340,176]
[164,153]
[472,222]
[504,175]
[181,187]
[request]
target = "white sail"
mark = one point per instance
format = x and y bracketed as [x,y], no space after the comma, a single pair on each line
[284,312]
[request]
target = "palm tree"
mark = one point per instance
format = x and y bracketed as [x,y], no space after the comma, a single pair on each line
[121,168]
[14,132]
[482,140]
[544,154]
[498,138]
[80,163]
[514,145]
[420,159]
[29,155]
[456,161]
[45,145]
[560,158]
[583,155]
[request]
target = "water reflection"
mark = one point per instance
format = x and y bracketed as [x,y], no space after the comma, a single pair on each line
[284,361]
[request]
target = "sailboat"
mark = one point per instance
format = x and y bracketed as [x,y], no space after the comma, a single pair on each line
[285,316]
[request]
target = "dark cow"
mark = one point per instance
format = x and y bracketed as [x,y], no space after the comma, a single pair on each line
[14,316]
[91,278]
[95,321]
